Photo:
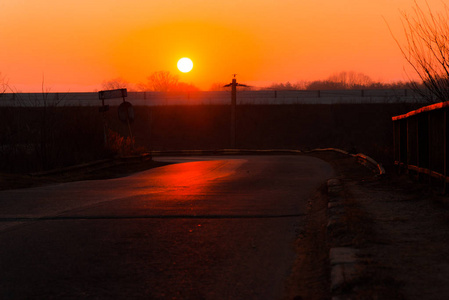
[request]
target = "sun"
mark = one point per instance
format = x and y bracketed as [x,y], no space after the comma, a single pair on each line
[185,64]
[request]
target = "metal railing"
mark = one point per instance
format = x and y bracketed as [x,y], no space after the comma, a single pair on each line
[217,97]
[421,142]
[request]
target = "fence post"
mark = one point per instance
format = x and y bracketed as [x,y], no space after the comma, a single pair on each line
[403,142]
[431,122]
[398,141]
[445,140]
[408,145]
[429,139]
[395,143]
[418,164]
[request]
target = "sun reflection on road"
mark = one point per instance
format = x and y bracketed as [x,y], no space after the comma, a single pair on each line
[192,173]
[184,179]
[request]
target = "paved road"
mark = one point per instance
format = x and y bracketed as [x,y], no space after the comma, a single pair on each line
[207,228]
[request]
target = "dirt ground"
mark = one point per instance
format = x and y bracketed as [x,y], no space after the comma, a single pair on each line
[401,228]
[411,241]
[399,225]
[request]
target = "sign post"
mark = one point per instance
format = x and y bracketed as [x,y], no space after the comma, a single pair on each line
[125,110]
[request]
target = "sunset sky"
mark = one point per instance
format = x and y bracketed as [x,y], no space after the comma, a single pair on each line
[72,46]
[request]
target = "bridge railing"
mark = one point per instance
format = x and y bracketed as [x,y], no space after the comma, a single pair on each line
[421,142]
[216,97]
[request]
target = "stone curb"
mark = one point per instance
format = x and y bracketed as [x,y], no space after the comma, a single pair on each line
[345,265]
[361,158]
[368,161]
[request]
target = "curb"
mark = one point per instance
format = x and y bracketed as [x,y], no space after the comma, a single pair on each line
[345,265]
[361,158]
[369,162]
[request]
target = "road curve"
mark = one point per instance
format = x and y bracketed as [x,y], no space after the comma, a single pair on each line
[206,228]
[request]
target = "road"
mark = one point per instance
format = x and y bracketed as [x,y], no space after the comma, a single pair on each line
[203,228]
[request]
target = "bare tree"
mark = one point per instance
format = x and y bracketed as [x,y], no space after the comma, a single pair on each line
[161,81]
[3,84]
[164,81]
[351,79]
[300,85]
[116,83]
[426,49]
[343,81]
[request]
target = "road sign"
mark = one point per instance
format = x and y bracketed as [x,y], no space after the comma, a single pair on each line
[109,94]
[126,112]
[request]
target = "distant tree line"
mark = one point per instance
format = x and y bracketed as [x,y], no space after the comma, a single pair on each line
[346,80]
[164,81]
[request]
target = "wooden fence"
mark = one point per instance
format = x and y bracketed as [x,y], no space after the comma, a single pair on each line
[421,142]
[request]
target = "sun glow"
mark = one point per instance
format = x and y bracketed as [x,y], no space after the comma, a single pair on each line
[185,65]
[302,41]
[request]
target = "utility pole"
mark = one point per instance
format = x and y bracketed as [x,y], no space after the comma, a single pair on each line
[234,85]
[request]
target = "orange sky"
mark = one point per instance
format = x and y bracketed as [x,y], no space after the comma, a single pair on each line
[75,45]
